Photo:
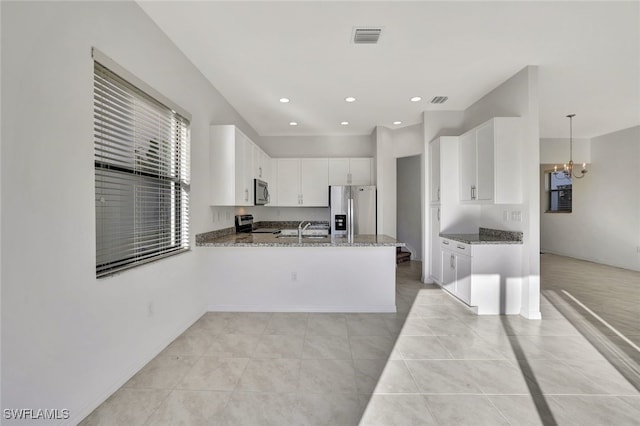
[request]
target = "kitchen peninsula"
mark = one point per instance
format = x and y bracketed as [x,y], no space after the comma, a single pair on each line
[273,273]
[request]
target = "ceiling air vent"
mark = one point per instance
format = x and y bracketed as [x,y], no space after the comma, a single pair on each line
[366,35]
[439,99]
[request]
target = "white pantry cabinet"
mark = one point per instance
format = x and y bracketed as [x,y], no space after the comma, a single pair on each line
[351,171]
[230,167]
[302,182]
[434,171]
[436,252]
[490,162]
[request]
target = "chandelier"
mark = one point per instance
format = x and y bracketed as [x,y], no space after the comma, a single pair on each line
[568,168]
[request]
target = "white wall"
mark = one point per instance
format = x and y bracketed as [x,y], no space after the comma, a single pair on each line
[604,225]
[386,181]
[317,146]
[518,97]
[408,141]
[556,151]
[409,204]
[68,339]
[303,279]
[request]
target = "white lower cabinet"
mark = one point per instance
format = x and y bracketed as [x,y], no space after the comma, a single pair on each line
[436,253]
[484,276]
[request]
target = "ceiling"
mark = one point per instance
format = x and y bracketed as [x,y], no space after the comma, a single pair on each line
[255,53]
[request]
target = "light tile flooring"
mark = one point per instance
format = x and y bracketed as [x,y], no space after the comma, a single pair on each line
[431,363]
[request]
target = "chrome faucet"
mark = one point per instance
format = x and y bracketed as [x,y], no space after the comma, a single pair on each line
[301,229]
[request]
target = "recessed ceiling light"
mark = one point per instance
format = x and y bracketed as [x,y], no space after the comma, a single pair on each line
[397,122]
[350,99]
[293,123]
[416,99]
[284,100]
[345,123]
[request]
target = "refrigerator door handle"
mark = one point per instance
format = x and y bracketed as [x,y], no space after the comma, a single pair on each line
[350,217]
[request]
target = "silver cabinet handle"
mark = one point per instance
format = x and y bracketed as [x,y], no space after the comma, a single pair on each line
[445,242]
[438,193]
[473,192]
[451,262]
[260,171]
[246,195]
[438,214]
[461,247]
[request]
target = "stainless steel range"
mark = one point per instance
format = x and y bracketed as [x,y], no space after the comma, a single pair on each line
[244,223]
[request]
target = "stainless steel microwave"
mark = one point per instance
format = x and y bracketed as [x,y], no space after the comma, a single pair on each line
[261,192]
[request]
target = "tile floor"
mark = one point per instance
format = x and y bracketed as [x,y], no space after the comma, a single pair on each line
[432,363]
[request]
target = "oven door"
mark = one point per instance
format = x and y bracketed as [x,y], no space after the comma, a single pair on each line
[261,192]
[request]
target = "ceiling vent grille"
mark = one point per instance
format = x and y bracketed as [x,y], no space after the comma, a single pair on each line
[439,99]
[366,35]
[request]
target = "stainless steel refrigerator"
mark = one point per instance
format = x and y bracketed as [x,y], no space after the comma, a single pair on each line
[353,210]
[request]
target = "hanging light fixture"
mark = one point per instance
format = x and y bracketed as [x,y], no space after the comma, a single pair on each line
[568,168]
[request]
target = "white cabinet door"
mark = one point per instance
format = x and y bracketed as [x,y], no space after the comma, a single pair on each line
[434,166]
[350,171]
[338,171]
[261,164]
[264,168]
[463,278]
[288,182]
[242,170]
[436,255]
[467,165]
[360,171]
[273,181]
[314,182]
[484,162]
[489,161]
[448,271]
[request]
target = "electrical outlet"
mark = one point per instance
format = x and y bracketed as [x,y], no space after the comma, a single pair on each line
[516,216]
[294,276]
[228,215]
[150,309]
[505,216]
[638,249]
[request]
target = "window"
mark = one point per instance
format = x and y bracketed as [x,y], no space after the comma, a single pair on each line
[560,192]
[141,173]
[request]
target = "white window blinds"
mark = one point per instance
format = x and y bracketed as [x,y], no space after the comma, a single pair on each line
[141,175]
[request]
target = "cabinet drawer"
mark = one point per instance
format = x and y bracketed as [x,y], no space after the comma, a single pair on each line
[456,246]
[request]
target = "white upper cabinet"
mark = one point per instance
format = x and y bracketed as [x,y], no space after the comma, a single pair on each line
[434,163]
[288,182]
[244,171]
[230,167]
[302,182]
[234,162]
[314,182]
[489,162]
[351,171]
[261,164]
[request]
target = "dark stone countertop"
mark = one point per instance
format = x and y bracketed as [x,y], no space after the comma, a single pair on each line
[487,236]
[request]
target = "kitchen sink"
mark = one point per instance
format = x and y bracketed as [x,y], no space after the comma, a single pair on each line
[307,233]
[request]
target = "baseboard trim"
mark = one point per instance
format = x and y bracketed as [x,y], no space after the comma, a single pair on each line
[275,308]
[591,259]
